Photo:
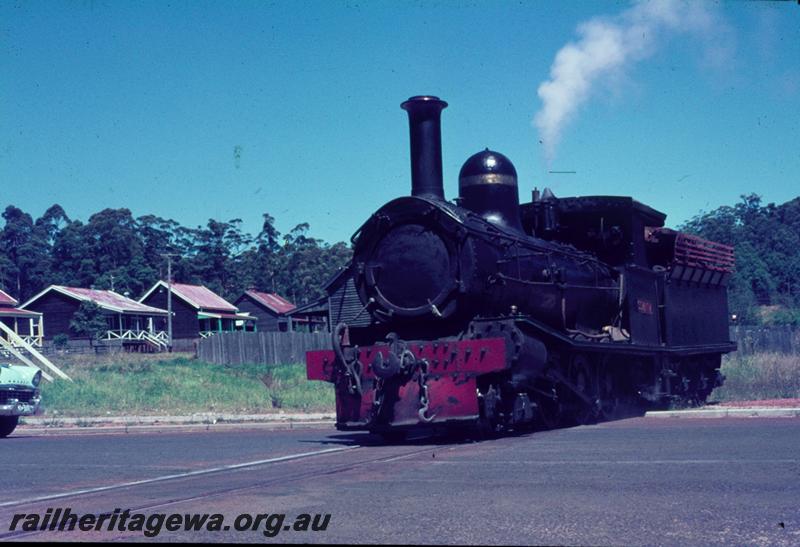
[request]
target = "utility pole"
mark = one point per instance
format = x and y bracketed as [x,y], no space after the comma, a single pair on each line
[169,298]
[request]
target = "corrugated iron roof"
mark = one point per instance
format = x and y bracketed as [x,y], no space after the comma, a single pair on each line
[273,301]
[15,312]
[197,296]
[108,300]
[202,297]
[6,300]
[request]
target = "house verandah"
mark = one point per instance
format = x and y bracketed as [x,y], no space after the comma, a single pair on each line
[216,323]
[27,325]
[132,327]
[22,336]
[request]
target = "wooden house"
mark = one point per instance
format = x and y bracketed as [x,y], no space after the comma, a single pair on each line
[126,319]
[197,311]
[28,325]
[311,317]
[269,308]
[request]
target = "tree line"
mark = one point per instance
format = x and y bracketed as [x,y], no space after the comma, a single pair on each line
[765,288]
[114,250]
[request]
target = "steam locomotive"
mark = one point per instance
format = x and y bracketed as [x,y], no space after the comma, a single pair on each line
[488,313]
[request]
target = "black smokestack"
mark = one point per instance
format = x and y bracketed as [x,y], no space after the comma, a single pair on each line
[424,120]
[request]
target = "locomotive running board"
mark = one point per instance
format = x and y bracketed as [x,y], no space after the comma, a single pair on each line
[623,347]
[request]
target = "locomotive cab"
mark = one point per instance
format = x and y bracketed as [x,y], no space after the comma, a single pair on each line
[610,227]
[669,279]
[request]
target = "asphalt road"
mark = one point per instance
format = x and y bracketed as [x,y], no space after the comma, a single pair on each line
[634,482]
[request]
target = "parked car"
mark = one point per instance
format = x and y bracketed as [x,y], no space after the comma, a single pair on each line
[19,394]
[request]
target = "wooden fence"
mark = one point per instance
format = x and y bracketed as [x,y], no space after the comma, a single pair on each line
[269,348]
[276,348]
[766,339]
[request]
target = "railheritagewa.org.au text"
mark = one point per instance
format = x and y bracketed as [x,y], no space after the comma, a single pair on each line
[151,525]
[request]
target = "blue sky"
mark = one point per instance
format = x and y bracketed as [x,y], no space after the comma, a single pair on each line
[198,110]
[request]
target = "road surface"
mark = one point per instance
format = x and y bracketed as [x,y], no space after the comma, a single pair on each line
[634,482]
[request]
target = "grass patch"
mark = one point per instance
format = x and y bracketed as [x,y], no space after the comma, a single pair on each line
[150,385]
[143,384]
[759,376]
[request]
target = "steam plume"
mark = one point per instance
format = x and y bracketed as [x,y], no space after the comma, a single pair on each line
[606,46]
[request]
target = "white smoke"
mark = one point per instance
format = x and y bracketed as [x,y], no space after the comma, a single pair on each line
[606,47]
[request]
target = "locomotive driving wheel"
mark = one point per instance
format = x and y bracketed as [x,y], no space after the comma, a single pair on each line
[548,407]
[583,378]
[608,390]
[489,423]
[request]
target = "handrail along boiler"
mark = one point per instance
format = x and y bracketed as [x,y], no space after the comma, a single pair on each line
[498,314]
